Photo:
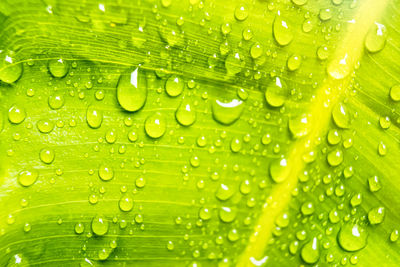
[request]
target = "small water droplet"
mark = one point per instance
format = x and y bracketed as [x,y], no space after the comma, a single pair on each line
[333,137]
[299,126]
[155,125]
[227,214]
[395,92]
[45,126]
[276,92]
[241,12]
[279,170]
[341,116]
[58,67]
[174,86]
[56,101]
[47,155]
[9,71]
[27,178]
[325,14]
[234,63]
[125,203]
[339,68]
[335,157]
[282,31]
[100,225]
[205,213]
[293,62]
[94,117]
[105,173]
[376,38]
[226,112]
[376,215]
[224,192]
[185,114]
[132,89]
[307,208]
[16,114]
[18,260]
[79,228]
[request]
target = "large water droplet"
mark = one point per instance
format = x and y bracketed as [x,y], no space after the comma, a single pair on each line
[99,225]
[279,170]
[276,92]
[58,67]
[132,89]
[293,63]
[45,126]
[16,114]
[56,101]
[282,31]
[310,251]
[105,172]
[94,117]
[241,12]
[227,112]
[376,38]
[341,115]
[352,237]
[395,92]
[27,178]
[9,71]
[155,125]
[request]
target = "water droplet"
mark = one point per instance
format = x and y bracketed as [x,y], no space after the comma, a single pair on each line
[241,12]
[307,208]
[58,67]
[18,260]
[245,187]
[242,94]
[394,235]
[334,216]
[56,101]
[111,136]
[339,68]
[234,63]
[16,114]
[341,116]
[384,122]
[325,14]
[282,220]
[170,246]
[233,235]
[105,173]
[376,215]
[356,200]
[299,2]
[236,145]
[205,213]
[335,157]
[94,117]
[276,92]
[310,251]
[224,192]
[9,71]
[352,237]
[45,126]
[279,170]
[125,203]
[293,62]
[195,161]
[140,182]
[256,50]
[174,86]
[299,125]
[155,125]
[185,114]
[47,155]
[382,150]
[395,92]
[99,225]
[323,52]
[227,214]
[282,31]
[132,89]
[172,35]
[247,34]
[79,228]
[27,178]
[376,38]
[308,25]
[333,137]
[227,112]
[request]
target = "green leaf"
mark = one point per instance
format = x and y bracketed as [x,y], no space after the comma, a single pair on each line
[215,133]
